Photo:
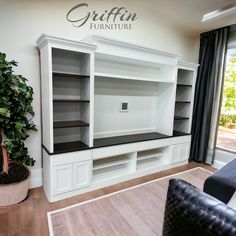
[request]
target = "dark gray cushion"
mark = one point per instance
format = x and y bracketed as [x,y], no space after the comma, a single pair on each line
[222,184]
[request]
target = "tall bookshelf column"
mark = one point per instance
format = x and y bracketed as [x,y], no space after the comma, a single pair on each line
[67,94]
[185,87]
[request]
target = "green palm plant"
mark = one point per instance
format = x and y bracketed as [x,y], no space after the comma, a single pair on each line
[16,113]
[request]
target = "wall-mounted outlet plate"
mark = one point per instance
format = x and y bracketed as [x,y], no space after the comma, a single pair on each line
[123,106]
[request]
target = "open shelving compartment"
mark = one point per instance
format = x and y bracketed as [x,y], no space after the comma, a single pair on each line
[147,113]
[112,66]
[113,166]
[71,100]
[157,157]
[184,98]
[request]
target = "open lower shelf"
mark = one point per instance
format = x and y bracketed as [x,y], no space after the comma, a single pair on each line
[69,147]
[111,172]
[69,124]
[109,162]
[151,163]
[181,118]
[152,158]
[149,156]
[68,75]
[69,100]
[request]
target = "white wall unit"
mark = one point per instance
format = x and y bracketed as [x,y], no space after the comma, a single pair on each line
[88,142]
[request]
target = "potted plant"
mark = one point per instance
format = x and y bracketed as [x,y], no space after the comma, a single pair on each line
[16,113]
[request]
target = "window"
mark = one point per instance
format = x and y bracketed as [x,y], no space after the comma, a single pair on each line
[226,138]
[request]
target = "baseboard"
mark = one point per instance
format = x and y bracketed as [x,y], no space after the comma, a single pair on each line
[218,164]
[36,178]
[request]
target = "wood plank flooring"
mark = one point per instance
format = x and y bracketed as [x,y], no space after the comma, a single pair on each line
[29,218]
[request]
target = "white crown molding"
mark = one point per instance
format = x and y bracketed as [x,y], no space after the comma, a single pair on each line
[45,39]
[97,40]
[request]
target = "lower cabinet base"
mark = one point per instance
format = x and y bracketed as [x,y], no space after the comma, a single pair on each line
[105,183]
[70,174]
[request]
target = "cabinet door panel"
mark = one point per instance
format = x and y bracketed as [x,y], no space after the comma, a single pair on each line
[62,178]
[184,152]
[81,174]
[175,153]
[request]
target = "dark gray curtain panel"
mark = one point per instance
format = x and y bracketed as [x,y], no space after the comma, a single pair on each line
[212,55]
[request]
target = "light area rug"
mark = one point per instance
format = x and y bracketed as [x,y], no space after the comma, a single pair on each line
[137,210]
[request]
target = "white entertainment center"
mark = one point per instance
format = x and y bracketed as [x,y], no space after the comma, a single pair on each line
[111,111]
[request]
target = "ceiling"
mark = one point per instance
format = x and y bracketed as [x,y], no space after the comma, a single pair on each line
[187,14]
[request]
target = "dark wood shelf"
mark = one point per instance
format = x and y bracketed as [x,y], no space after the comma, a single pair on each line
[178,133]
[70,100]
[110,141]
[117,140]
[69,75]
[69,147]
[68,124]
[181,118]
[184,85]
[182,102]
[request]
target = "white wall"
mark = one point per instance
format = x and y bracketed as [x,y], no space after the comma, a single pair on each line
[142,98]
[146,110]
[22,22]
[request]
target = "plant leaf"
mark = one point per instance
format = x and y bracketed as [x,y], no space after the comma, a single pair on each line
[5,112]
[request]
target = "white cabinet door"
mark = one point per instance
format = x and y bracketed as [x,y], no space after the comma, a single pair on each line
[184,151]
[81,174]
[180,152]
[61,178]
[175,153]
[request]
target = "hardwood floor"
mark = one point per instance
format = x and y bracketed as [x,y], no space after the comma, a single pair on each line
[30,216]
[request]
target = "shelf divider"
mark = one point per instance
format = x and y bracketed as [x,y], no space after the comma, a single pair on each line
[69,100]
[69,124]
[68,75]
